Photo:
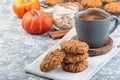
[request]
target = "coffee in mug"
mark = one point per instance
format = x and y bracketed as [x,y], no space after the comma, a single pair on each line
[94,27]
[92,16]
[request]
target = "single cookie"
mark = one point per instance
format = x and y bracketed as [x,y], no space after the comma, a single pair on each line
[107,1]
[91,3]
[52,60]
[69,58]
[74,47]
[77,3]
[75,67]
[113,7]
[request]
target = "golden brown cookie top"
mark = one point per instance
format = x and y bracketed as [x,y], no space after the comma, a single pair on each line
[74,47]
[108,1]
[52,60]
[91,3]
[113,7]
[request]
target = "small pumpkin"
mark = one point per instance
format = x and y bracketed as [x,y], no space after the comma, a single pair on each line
[37,22]
[20,7]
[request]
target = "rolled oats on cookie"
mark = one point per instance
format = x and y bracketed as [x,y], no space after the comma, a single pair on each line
[113,7]
[74,47]
[75,67]
[52,60]
[70,58]
[91,3]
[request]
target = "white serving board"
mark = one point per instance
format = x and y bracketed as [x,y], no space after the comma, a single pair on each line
[95,63]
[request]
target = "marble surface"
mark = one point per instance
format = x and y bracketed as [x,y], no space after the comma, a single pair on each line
[18,48]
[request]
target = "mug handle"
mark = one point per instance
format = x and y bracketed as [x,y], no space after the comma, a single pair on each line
[114,18]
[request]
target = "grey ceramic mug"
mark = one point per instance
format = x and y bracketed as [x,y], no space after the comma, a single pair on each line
[95,32]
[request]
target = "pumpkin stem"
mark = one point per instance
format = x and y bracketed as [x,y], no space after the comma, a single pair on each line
[36,12]
[26,1]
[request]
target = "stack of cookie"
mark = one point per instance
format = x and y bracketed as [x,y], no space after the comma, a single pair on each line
[76,55]
[72,57]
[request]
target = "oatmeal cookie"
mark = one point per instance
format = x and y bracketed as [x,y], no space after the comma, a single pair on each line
[70,58]
[76,3]
[52,60]
[91,3]
[74,47]
[113,7]
[75,67]
[53,2]
[108,1]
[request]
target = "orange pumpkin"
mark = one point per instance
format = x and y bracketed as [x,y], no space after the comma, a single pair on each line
[37,22]
[20,7]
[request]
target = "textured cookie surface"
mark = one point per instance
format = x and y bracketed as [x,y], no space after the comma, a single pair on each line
[108,1]
[91,3]
[75,67]
[113,7]
[74,47]
[69,58]
[52,60]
